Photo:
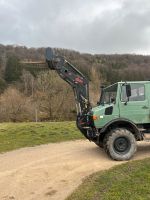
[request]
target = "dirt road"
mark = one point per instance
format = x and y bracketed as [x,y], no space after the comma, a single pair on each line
[52,172]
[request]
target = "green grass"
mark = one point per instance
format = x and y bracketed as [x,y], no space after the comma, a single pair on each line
[130,181]
[17,135]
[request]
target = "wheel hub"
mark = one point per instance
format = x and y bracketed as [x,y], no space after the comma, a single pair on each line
[122,145]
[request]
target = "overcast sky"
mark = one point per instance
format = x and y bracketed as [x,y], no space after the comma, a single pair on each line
[92,26]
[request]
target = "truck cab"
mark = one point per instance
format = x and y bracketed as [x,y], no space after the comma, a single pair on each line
[124,100]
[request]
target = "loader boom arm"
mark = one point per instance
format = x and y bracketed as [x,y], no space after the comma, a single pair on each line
[73,77]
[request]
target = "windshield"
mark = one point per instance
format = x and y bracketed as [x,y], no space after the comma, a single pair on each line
[109,94]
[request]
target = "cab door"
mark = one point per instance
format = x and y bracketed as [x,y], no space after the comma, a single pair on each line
[136,107]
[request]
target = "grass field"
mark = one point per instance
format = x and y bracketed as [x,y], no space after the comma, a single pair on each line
[17,135]
[125,182]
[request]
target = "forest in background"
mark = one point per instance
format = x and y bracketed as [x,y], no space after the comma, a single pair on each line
[33,93]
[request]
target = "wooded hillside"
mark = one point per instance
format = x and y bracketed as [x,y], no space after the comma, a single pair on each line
[29,93]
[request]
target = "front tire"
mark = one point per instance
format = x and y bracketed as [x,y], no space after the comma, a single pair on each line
[120,144]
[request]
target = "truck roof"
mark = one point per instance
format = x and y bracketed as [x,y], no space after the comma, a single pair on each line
[134,81]
[144,82]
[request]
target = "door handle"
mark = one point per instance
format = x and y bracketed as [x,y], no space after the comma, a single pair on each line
[145,107]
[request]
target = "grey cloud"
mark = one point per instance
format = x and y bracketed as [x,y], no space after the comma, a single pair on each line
[106,26]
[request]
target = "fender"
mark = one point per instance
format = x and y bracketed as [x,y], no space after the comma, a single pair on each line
[123,122]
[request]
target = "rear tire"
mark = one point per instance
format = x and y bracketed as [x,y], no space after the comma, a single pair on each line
[120,144]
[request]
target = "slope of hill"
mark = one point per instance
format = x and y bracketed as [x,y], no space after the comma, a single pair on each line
[39,95]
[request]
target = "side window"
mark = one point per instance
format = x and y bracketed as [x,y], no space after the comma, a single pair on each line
[137,92]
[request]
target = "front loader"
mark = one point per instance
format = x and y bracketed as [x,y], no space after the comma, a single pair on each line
[80,86]
[121,117]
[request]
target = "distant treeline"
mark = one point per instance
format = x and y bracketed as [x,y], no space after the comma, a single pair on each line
[28,93]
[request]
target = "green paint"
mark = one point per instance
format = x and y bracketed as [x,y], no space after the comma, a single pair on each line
[136,108]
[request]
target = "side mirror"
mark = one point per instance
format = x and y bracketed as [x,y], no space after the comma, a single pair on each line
[128,90]
[112,100]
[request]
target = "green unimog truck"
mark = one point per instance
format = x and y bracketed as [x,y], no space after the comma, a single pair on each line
[121,117]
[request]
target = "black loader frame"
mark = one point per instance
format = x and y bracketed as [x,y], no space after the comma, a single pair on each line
[80,85]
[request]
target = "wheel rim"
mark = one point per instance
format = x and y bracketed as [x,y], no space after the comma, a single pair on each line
[122,145]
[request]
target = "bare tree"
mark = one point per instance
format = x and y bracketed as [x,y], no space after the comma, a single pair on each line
[14,106]
[28,82]
[52,96]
